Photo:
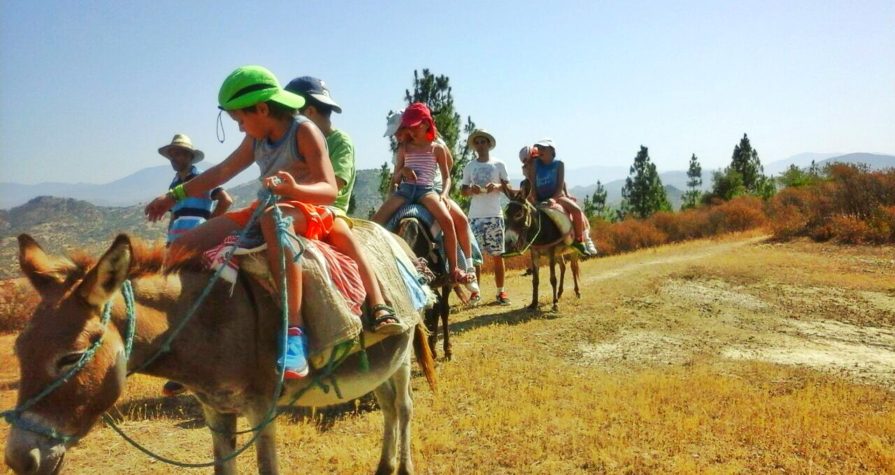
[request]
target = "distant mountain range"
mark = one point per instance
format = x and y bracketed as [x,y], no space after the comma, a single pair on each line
[63,223]
[148,183]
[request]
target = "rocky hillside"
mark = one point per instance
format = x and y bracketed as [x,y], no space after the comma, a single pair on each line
[64,224]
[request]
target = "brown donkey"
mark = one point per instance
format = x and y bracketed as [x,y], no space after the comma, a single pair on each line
[226,355]
[531,228]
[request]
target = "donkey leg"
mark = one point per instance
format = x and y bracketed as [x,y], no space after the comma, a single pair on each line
[553,277]
[534,281]
[432,325]
[576,275]
[266,443]
[562,275]
[445,313]
[386,396]
[223,438]
[404,407]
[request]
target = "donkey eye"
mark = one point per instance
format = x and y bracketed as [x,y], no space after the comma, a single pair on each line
[68,360]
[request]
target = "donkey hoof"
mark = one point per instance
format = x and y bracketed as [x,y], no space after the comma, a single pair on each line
[532,306]
[554,308]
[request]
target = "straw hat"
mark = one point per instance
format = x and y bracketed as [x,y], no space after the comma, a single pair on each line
[184,142]
[481,133]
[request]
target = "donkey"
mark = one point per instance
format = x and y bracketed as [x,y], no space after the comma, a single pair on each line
[225,355]
[415,232]
[533,228]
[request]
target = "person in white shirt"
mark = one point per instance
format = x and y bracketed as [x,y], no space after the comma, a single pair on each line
[484,179]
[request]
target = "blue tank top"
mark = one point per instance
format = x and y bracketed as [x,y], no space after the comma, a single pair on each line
[545,179]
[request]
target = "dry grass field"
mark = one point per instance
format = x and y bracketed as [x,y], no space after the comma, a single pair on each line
[733,355]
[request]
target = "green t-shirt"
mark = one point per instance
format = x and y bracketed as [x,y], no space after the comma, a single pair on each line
[341,154]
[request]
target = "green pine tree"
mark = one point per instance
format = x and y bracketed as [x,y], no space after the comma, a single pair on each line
[435,92]
[694,182]
[643,193]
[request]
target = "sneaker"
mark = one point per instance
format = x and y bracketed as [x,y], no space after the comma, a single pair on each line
[580,247]
[471,284]
[503,298]
[173,388]
[296,366]
[589,245]
[474,298]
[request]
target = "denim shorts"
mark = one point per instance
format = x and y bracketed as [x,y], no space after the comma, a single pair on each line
[413,192]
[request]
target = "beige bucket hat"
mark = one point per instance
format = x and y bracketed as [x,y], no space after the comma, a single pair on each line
[184,142]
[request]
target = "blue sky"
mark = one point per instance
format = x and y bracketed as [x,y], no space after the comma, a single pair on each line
[89,90]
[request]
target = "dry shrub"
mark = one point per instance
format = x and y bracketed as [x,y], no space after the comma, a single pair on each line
[853,206]
[689,224]
[599,233]
[632,234]
[17,303]
[849,229]
[739,214]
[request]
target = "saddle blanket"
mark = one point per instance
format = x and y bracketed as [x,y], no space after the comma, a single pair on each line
[342,270]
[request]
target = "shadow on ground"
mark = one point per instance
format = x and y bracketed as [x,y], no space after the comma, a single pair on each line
[511,317]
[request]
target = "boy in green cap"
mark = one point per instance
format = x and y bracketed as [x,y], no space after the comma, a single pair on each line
[292,155]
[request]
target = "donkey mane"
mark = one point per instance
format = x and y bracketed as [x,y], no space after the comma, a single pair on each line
[147,259]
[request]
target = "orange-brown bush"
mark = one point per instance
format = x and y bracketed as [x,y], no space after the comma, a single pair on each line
[17,302]
[853,206]
[739,214]
[633,234]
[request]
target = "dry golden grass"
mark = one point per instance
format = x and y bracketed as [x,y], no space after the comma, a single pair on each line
[732,355]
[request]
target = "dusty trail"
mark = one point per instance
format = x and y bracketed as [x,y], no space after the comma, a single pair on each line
[749,318]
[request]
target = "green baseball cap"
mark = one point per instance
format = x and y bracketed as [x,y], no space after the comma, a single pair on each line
[250,85]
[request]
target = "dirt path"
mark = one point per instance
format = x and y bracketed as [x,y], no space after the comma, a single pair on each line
[745,312]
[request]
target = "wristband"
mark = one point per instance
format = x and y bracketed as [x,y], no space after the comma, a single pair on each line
[178,192]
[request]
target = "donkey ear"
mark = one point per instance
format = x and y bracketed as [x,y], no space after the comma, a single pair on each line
[109,273]
[45,272]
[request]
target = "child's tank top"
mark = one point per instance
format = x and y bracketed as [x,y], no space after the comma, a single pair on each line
[424,164]
[272,157]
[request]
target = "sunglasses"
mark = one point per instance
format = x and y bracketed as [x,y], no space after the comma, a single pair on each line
[482,142]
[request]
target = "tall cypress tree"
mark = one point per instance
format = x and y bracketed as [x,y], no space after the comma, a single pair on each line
[694,181]
[643,192]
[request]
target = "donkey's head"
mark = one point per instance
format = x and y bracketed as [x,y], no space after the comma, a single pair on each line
[65,325]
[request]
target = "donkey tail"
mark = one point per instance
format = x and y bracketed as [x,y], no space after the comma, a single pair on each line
[424,354]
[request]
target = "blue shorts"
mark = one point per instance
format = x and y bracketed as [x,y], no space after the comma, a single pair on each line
[413,192]
[489,234]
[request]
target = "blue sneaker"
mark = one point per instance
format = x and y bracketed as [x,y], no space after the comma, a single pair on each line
[296,354]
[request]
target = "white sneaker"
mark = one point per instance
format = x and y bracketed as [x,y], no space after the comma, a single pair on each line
[472,286]
[591,248]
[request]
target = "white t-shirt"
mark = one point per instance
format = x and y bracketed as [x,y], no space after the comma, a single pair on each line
[485,205]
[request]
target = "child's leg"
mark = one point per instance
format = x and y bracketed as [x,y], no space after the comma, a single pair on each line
[204,236]
[293,269]
[498,271]
[572,208]
[391,205]
[461,226]
[343,241]
[435,206]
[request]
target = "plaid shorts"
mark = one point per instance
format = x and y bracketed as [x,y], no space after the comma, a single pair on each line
[489,234]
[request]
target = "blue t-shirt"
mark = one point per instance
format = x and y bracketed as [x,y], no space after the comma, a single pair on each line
[545,179]
[190,212]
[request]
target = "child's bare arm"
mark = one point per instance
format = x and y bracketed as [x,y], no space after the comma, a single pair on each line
[318,181]
[237,161]
[442,156]
[560,181]
[222,203]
